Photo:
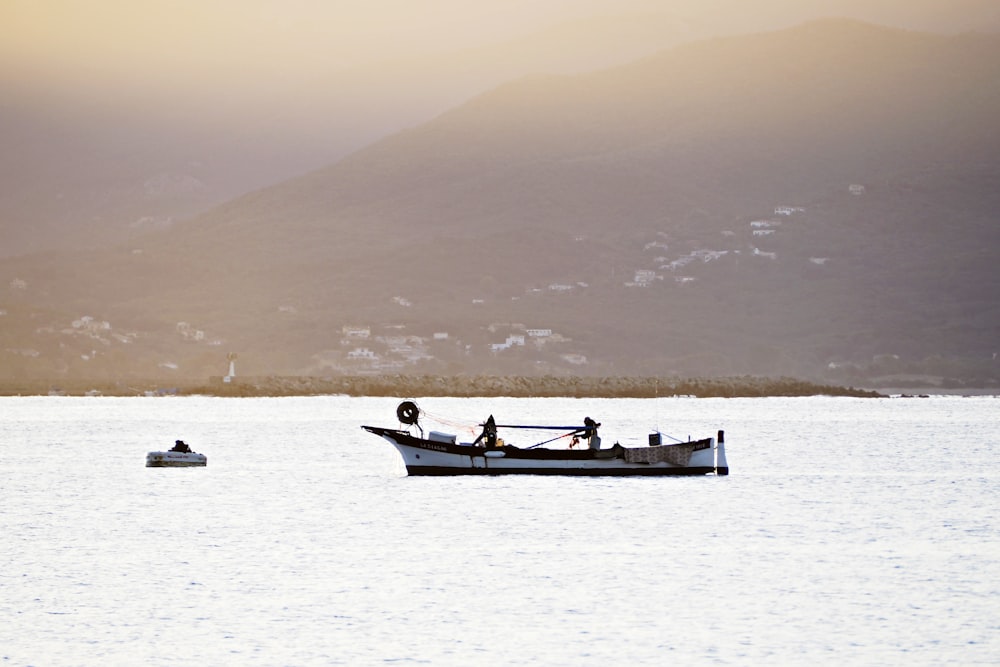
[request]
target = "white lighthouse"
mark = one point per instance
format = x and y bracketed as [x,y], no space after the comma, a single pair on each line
[232,367]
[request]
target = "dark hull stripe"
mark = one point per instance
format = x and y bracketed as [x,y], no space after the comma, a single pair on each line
[513,453]
[444,471]
[175,465]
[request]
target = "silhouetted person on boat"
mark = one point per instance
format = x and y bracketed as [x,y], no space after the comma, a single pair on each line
[489,433]
[590,433]
[181,446]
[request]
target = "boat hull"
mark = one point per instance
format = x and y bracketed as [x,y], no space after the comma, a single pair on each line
[175,460]
[424,457]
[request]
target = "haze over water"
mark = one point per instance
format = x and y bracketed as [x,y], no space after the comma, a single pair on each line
[851,531]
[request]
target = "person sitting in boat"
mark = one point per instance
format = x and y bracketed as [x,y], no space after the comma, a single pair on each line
[181,446]
[489,433]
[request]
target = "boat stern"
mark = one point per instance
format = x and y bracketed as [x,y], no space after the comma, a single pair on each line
[721,465]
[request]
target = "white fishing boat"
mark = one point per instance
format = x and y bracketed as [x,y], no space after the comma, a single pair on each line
[178,456]
[439,453]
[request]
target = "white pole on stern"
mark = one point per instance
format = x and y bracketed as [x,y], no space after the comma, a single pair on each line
[721,465]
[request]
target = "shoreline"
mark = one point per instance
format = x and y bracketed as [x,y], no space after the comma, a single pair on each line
[403,386]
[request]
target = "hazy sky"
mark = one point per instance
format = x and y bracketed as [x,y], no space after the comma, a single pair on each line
[252,92]
[119,37]
[342,72]
[187,42]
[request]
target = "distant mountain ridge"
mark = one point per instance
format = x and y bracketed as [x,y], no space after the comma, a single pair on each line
[82,145]
[793,203]
[80,153]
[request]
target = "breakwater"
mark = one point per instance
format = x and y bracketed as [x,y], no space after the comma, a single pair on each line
[415,386]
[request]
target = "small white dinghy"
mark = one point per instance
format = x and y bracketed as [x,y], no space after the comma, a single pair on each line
[178,456]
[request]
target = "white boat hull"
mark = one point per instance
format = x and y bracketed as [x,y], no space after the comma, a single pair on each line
[175,459]
[432,457]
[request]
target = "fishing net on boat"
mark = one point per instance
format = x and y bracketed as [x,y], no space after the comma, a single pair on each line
[678,455]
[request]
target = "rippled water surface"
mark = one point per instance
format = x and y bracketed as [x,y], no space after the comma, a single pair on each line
[850,531]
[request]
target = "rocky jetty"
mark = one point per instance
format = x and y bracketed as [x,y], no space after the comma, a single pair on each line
[523,386]
[416,386]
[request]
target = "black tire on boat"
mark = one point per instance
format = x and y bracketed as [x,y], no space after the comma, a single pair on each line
[407,412]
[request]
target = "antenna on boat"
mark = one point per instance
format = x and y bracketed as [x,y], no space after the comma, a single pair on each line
[656,404]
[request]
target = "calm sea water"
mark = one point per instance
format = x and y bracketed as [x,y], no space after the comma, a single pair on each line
[850,531]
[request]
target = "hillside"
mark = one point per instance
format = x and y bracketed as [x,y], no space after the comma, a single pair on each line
[818,201]
[90,162]
[110,130]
